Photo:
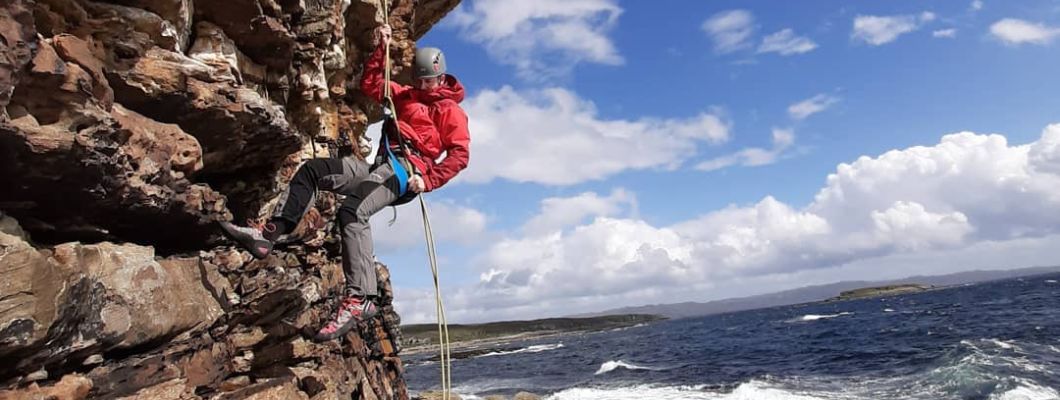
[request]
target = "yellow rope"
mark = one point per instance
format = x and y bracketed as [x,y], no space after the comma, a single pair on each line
[443,327]
[445,359]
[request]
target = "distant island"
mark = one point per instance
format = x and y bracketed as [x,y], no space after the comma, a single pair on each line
[415,337]
[816,293]
[880,291]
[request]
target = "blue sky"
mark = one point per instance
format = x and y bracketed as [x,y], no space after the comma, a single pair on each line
[635,152]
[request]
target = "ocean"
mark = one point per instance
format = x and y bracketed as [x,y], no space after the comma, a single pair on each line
[993,340]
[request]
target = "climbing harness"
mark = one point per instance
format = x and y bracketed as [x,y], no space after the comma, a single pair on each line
[400,171]
[403,174]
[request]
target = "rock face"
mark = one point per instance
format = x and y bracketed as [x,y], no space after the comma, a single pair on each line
[125,324]
[128,128]
[121,116]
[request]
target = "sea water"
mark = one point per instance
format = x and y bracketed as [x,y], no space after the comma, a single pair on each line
[995,340]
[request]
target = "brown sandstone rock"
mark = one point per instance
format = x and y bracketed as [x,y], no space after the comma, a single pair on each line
[71,387]
[260,31]
[177,15]
[125,170]
[67,150]
[77,300]
[16,49]
[74,50]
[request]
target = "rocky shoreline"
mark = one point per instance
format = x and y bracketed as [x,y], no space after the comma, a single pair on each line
[506,341]
[472,348]
[420,334]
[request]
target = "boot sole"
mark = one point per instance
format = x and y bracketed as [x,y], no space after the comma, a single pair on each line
[345,328]
[234,236]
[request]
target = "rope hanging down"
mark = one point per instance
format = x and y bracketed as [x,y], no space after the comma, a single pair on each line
[445,359]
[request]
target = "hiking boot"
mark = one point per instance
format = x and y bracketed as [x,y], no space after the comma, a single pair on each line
[250,238]
[351,311]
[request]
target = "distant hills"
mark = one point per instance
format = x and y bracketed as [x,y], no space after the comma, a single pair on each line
[814,293]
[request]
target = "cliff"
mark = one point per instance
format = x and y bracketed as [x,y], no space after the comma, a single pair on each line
[128,128]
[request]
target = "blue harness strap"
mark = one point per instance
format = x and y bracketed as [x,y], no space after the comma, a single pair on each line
[399,168]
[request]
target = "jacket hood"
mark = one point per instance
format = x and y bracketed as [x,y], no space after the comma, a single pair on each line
[450,89]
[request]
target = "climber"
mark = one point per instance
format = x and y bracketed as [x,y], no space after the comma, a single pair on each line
[430,123]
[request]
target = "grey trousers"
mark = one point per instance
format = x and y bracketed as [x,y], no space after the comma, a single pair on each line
[367,191]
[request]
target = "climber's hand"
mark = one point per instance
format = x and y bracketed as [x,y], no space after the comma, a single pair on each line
[416,184]
[383,33]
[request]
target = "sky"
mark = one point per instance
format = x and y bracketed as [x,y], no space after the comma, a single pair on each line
[644,152]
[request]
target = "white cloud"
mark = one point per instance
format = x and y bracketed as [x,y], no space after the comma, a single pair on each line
[543,38]
[945,33]
[879,30]
[1016,31]
[1045,153]
[558,213]
[753,156]
[462,225]
[554,137]
[910,227]
[810,106]
[786,43]
[730,30]
[606,261]
[969,194]
[1002,190]
[976,5]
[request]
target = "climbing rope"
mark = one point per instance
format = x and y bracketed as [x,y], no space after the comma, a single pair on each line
[444,356]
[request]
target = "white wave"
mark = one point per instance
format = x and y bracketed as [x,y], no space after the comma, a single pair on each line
[613,365]
[985,345]
[1027,391]
[755,390]
[936,385]
[532,349]
[1050,281]
[747,391]
[888,310]
[474,388]
[632,393]
[815,317]
[990,355]
[1002,344]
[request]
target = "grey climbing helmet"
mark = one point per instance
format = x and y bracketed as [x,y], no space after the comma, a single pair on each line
[429,63]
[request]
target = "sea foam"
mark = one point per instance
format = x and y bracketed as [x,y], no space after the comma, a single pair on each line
[1027,391]
[613,365]
[747,391]
[815,317]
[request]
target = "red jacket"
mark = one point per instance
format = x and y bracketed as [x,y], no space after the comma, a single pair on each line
[432,121]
